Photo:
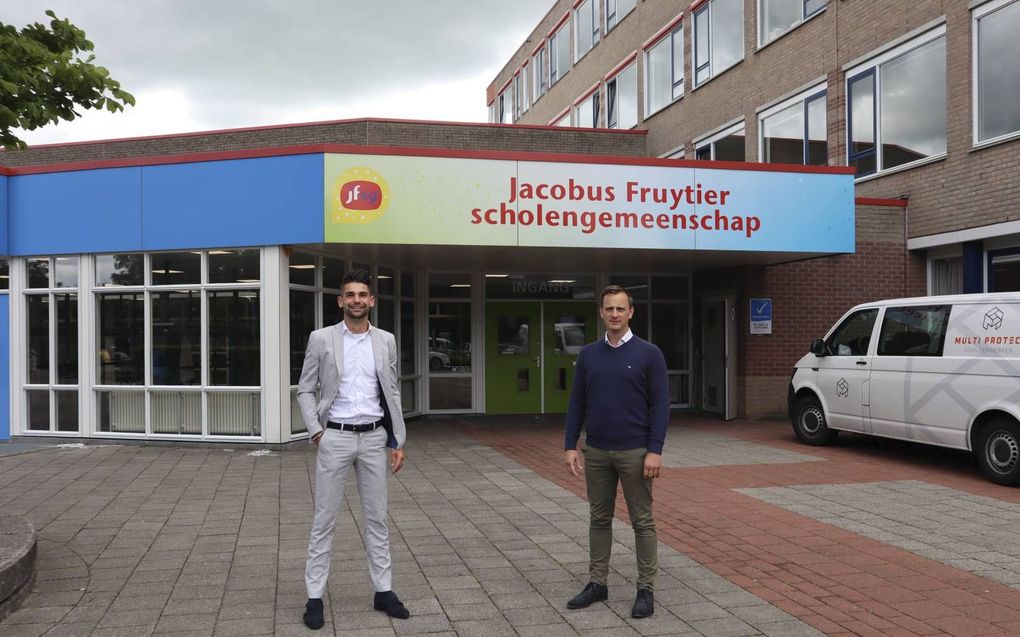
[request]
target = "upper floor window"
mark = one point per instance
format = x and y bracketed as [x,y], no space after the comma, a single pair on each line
[586,112]
[563,119]
[664,70]
[621,99]
[896,105]
[539,73]
[559,53]
[520,94]
[726,145]
[793,131]
[776,17]
[617,10]
[718,38]
[505,106]
[586,27]
[997,74]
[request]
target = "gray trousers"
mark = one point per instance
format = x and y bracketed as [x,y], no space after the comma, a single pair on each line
[603,470]
[338,452]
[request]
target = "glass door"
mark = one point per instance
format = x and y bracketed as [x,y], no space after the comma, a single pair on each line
[568,326]
[513,358]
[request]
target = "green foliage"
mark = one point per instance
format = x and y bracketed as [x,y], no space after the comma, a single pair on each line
[45,73]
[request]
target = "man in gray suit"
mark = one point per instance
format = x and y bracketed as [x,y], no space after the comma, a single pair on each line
[349,395]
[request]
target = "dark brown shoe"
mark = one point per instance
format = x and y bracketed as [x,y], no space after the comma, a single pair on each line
[644,604]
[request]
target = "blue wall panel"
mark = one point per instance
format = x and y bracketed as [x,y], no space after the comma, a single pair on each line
[80,211]
[247,202]
[5,369]
[3,214]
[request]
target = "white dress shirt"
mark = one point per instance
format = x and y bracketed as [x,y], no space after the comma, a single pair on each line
[358,401]
[623,339]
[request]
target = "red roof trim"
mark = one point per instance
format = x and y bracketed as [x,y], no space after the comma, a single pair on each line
[873,201]
[587,93]
[536,49]
[696,4]
[576,4]
[445,152]
[661,33]
[5,171]
[557,116]
[621,66]
[505,84]
[558,24]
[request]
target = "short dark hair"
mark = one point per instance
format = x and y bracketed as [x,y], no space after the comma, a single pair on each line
[357,275]
[616,289]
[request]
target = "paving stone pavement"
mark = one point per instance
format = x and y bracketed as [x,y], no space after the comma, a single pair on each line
[976,534]
[183,541]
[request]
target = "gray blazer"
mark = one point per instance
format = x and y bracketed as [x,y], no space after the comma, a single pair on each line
[320,379]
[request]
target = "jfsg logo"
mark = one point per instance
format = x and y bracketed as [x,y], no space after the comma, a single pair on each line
[361,195]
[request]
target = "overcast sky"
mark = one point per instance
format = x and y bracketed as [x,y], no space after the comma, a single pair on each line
[207,64]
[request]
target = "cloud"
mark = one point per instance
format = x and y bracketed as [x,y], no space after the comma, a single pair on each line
[257,62]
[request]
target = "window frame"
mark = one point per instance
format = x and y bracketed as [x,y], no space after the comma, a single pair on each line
[539,70]
[947,308]
[712,138]
[708,6]
[559,35]
[613,106]
[871,67]
[576,12]
[591,95]
[804,98]
[804,17]
[505,103]
[977,13]
[613,20]
[673,28]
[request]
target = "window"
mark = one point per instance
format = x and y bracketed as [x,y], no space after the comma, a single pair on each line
[617,10]
[449,337]
[559,54]
[727,145]
[776,17]
[540,73]
[505,108]
[718,38]
[897,106]
[913,330]
[586,27]
[621,99]
[1004,271]
[997,83]
[793,132]
[51,306]
[664,71]
[586,112]
[563,119]
[521,102]
[5,275]
[947,276]
[853,335]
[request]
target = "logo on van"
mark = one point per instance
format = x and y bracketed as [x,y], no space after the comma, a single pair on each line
[360,195]
[842,388]
[993,319]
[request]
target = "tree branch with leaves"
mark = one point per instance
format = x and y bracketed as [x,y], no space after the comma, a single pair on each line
[46,73]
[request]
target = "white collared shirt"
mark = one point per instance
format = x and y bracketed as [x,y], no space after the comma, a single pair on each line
[623,339]
[357,402]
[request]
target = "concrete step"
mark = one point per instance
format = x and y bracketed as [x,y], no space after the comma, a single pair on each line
[17,561]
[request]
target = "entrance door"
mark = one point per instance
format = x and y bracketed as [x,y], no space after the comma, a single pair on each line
[513,358]
[568,326]
[719,363]
[531,349]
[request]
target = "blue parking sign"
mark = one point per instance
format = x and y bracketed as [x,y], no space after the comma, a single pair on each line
[761,316]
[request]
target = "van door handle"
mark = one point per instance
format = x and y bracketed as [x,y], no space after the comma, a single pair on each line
[862,362]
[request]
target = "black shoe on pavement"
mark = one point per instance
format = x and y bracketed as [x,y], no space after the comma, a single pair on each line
[389,602]
[313,614]
[644,604]
[592,593]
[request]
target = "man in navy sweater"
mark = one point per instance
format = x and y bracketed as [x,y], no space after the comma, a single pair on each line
[621,397]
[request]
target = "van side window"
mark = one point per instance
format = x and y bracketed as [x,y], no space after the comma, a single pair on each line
[917,330]
[853,335]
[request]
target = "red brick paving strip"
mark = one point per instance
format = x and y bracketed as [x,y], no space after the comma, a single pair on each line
[837,581]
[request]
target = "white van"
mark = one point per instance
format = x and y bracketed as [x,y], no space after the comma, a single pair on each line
[941,370]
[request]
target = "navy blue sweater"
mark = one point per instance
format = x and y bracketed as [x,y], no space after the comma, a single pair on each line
[620,396]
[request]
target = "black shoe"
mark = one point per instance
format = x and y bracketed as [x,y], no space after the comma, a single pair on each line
[644,604]
[389,602]
[592,593]
[313,614]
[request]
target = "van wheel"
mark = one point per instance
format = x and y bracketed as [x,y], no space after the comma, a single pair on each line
[809,423]
[999,451]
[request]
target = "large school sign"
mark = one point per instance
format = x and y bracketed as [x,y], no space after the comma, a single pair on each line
[658,204]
